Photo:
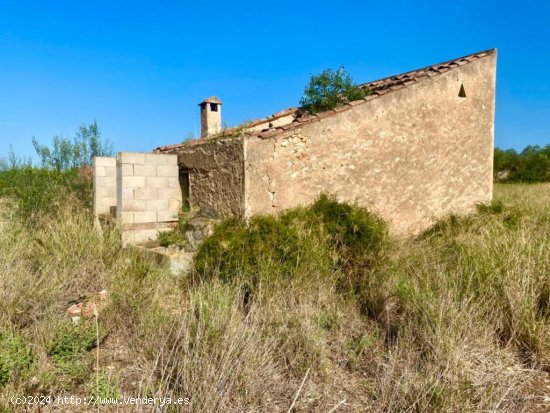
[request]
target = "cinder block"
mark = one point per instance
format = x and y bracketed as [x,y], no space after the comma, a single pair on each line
[99,171]
[157,205]
[167,216]
[103,181]
[104,161]
[110,171]
[101,207]
[145,170]
[133,205]
[125,217]
[144,217]
[157,182]
[132,157]
[173,182]
[174,205]
[169,193]
[111,192]
[112,182]
[127,169]
[139,235]
[161,159]
[145,193]
[110,202]
[127,193]
[101,192]
[133,182]
[168,170]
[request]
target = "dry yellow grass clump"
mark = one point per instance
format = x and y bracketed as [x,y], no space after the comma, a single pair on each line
[318,309]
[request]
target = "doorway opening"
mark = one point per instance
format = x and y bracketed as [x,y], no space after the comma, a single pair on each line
[184,186]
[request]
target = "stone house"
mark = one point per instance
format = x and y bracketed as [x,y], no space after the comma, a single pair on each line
[420,146]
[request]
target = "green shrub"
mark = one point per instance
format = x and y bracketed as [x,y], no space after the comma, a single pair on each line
[330,89]
[65,154]
[174,237]
[328,320]
[105,386]
[70,348]
[530,165]
[39,191]
[354,231]
[177,235]
[72,339]
[15,357]
[495,211]
[236,249]
[307,242]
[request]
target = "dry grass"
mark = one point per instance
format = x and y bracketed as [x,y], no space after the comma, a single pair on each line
[457,320]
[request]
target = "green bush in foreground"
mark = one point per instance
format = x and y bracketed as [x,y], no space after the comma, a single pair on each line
[15,357]
[39,191]
[283,246]
[70,348]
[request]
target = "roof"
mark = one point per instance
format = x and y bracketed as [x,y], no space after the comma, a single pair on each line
[212,99]
[377,88]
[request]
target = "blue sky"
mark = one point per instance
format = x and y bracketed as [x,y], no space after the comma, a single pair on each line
[140,68]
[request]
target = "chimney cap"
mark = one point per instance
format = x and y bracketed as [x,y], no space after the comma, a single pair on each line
[211,99]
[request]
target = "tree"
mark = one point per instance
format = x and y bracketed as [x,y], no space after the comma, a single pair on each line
[66,154]
[330,89]
[530,165]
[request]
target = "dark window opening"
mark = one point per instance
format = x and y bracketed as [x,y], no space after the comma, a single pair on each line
[214,107]
[462,92]
[184,186]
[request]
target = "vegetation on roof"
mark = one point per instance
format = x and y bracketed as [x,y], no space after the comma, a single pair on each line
[329,89]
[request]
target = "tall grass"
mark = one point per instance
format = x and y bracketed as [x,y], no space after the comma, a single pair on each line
[455,320]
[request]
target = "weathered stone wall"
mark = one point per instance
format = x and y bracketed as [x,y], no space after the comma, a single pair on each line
[104,184]
[148,194]
[412,155]
[216,176]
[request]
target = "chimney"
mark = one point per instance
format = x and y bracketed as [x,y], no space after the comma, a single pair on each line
[211,116]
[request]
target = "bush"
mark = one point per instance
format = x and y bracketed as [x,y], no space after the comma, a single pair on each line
[79,153]
[70,346]
[322,236]
[329,89]
[72,339]
[354,231]
[530,165]
[236,249]
[15,357]
[64,179]
[37,191]
[105,388]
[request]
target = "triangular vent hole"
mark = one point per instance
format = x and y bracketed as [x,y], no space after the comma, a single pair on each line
[462,92]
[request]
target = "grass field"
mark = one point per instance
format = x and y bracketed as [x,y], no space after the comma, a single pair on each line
[311,309]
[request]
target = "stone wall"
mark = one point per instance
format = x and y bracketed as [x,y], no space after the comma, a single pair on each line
[216,176]
[148,194]
[412,155]
[104,184]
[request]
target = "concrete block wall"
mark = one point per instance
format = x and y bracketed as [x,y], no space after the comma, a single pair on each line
[148,194]
[105,184]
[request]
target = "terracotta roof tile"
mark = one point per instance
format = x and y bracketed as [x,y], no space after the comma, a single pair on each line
[378,88]
[397,87]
